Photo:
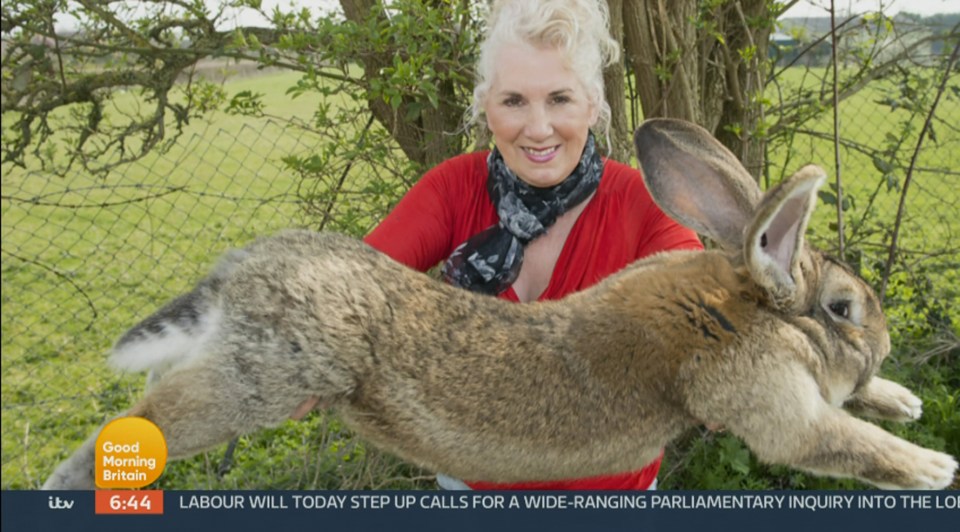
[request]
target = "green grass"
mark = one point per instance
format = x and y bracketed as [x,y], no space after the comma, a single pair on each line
[74,278]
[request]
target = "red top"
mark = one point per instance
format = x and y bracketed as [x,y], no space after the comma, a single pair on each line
[619,225]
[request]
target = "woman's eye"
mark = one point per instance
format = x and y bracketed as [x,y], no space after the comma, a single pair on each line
[513,101]
[561,99]
[840,308]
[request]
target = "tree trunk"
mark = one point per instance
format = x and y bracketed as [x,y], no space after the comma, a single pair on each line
[660,44]
[741,113]
[621,143]
[702,66]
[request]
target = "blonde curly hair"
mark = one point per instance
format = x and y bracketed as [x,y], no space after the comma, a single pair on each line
[578,28]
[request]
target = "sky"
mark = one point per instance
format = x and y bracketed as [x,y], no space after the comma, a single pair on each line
[819,8]
[806,8]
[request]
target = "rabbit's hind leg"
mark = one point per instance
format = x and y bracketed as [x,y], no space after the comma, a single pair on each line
[77,471]
[194,413]
[201,406]
[208,404]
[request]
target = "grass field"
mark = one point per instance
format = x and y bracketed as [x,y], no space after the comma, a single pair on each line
[84,258]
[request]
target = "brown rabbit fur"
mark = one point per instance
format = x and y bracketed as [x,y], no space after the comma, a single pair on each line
[767,338]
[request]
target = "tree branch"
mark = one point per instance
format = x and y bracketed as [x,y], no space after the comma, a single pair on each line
[913,161]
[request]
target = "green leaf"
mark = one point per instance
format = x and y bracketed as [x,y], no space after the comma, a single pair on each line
[892,182]
[413,111]
[246,103]
[883,165]
[847,203]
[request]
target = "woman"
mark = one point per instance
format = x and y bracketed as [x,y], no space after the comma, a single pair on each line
[542,214]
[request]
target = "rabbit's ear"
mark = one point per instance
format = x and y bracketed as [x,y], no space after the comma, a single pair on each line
[773,247]
[696,180]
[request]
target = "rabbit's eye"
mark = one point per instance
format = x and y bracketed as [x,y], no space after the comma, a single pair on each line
[840,308]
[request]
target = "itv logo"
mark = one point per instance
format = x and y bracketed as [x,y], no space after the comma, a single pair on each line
[56,503]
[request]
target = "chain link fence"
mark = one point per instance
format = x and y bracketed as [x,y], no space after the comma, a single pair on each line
[85,257]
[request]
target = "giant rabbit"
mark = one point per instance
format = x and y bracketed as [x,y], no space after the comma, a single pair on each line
[767,337]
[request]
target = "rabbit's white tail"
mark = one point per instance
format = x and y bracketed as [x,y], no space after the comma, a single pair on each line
[168,338]
[179,331]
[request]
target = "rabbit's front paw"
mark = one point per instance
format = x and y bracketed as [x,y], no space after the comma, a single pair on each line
[910,406]
[932,470]
[885,399]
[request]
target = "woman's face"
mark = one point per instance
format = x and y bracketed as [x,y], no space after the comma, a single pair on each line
[539,114]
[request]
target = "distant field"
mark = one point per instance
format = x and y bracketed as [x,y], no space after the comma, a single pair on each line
[84,258]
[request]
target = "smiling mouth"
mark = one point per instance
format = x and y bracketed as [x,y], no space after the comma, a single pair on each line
[543,152]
